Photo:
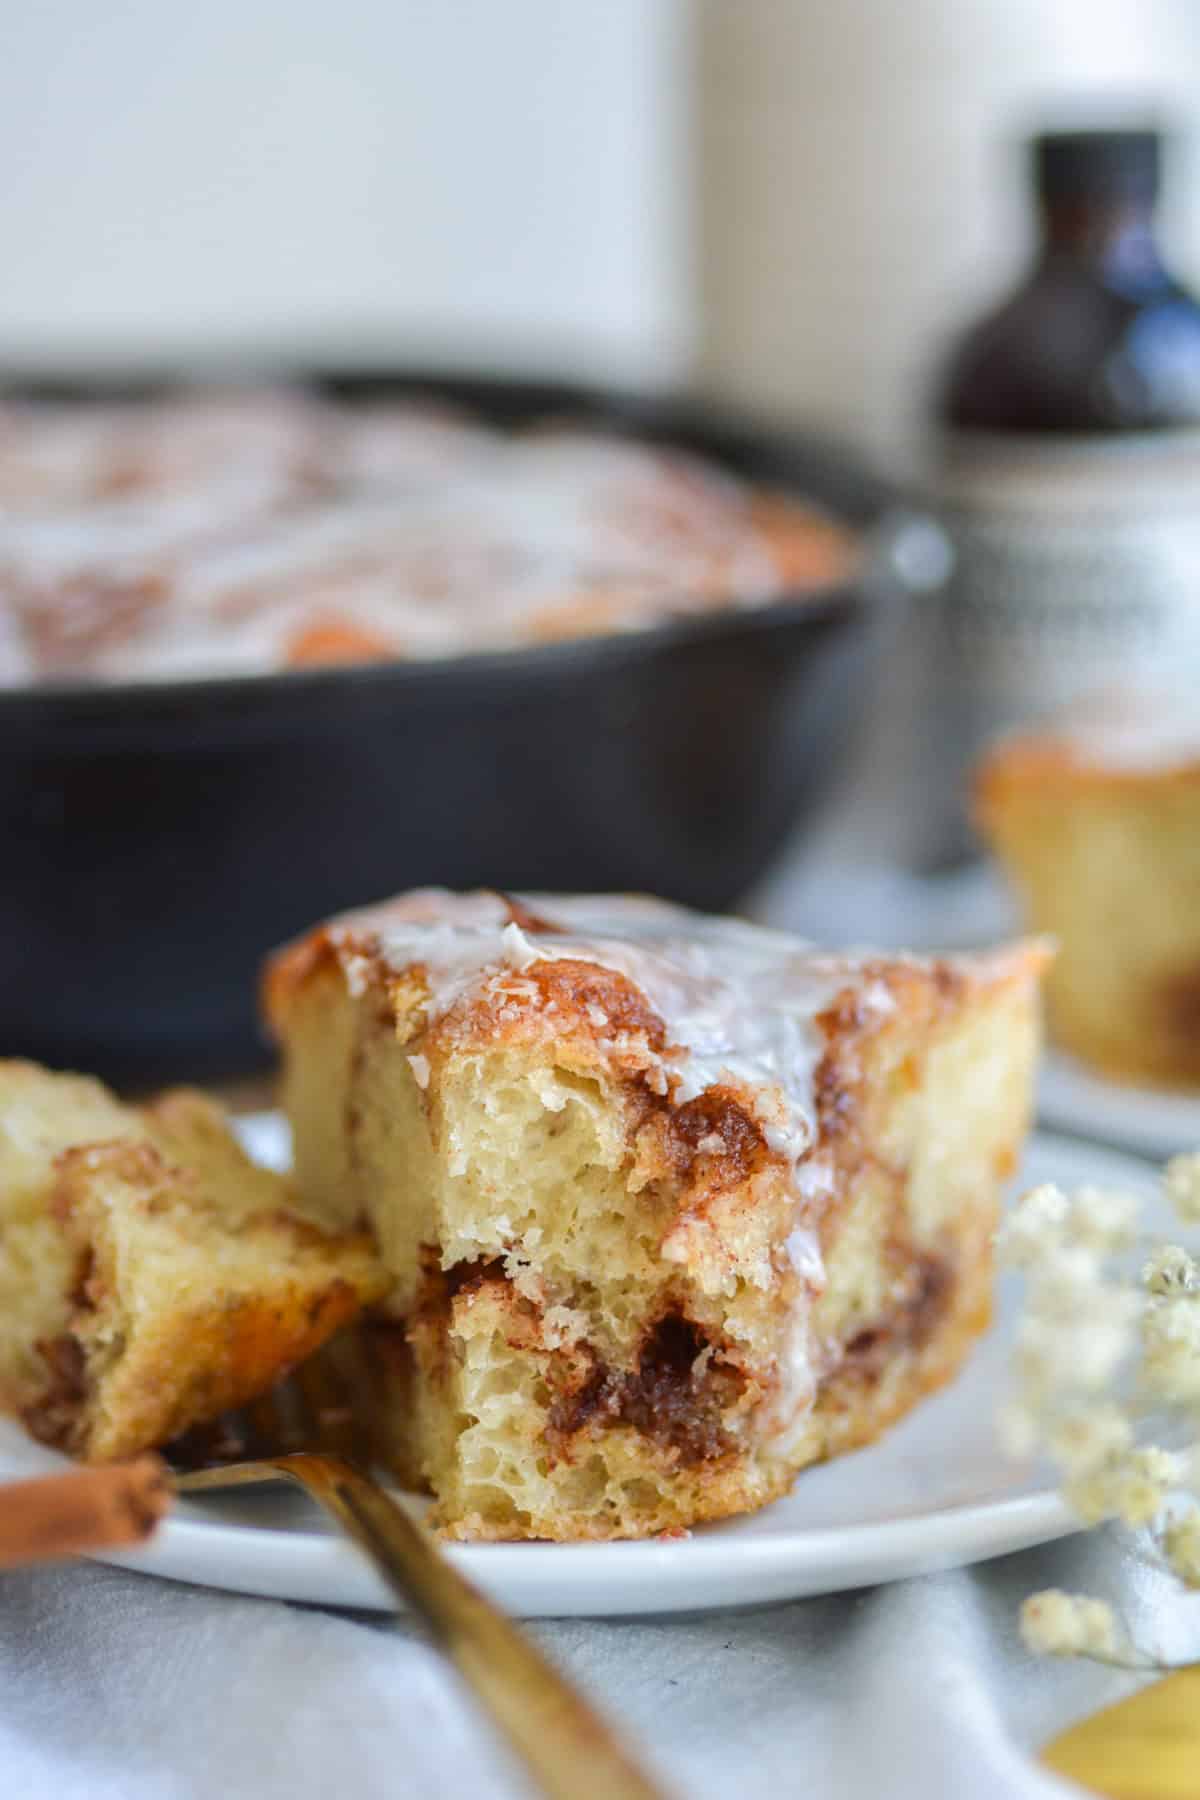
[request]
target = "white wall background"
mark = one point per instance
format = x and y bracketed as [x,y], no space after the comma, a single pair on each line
[511,179]
[458,177]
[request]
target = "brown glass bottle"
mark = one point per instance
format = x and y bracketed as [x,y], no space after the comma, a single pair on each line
[1066,479]
[1099,337]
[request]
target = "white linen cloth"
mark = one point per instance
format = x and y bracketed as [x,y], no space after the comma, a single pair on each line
[116,1686]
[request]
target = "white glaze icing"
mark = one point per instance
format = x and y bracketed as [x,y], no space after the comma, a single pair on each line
[740,1002]
[803,1247]
[251,521]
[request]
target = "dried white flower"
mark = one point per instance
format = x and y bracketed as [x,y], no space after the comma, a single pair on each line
[1181,1179]
[1181,1542]
[1103,1218]
[1084,1320]
[1069,1279]
[1073,1348]
[1036,1224]
[1088,1438]
[1046,1219]
[1058,1624]
[1170,1270]
[1146,1479]
[1076,1329]
[1171,1347]
[1130,1487]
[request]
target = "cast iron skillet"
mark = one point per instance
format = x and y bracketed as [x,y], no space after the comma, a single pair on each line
[157,839]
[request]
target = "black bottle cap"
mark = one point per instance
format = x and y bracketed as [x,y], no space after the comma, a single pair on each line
[1097,165]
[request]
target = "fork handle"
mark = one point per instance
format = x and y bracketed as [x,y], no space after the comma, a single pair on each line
[570,1751]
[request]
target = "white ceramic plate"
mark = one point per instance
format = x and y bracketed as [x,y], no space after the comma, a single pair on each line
[1152,1122]
[933,1494]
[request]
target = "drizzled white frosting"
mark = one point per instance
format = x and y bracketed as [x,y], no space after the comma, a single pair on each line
[216,536]
[739,1002]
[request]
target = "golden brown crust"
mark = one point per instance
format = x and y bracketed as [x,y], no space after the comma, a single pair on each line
[354,941]
[592,1007]
[176,1281]
[222,1359]
[221,1340]
[586,1001]
[287,971]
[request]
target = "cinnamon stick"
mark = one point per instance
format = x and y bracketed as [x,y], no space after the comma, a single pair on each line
[87,1509]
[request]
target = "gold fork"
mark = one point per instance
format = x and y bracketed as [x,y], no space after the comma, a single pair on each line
[568,1750]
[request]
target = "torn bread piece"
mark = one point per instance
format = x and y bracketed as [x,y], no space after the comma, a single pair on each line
[672,1205]
[151,1275]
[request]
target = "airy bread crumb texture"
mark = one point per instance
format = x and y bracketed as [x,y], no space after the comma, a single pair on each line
[616,1311]
[151,1276]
